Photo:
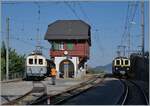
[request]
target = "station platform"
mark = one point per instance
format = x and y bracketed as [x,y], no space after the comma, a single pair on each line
[13,90]
[61,85]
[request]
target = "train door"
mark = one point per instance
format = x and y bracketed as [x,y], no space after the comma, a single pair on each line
[66,69]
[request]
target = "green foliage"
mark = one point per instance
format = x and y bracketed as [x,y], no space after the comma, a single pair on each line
[3,67]
[16,61]
[3,59]
[3,50]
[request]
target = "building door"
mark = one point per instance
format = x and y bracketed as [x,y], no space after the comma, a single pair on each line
[66,69]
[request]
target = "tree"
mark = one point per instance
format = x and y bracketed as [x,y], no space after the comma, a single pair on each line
[16,61]
[3,59]
[3,50]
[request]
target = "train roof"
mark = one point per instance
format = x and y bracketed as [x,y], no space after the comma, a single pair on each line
[121,57]
[35,54]
[68,30]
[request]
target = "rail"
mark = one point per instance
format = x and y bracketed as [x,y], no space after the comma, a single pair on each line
[124,95]
[123,99]
[39,93]
[142,92]
[70,93]
[34,94]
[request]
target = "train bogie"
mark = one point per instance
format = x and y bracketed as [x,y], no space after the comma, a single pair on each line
[36,71]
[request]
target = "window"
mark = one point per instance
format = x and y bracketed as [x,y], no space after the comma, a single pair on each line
[30,61]
[117,62]
[121,62]
[126,62]
[69,46]
[52,46]
[61,46]
[35,61]
[57,46]
[40,61]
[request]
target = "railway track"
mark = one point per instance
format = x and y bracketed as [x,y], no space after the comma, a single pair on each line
[39,89]
[39,93]
[142,92]
[71,93]
[133,94]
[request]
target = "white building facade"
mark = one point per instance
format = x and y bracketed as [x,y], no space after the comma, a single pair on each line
[77,72]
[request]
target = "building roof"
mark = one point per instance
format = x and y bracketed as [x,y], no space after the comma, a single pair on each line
[68,30]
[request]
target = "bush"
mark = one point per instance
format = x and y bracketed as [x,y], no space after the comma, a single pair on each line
[16,61]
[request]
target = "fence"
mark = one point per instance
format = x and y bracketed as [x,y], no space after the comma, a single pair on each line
[14,75]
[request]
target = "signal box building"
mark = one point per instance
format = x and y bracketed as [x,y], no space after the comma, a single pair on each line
[70,47]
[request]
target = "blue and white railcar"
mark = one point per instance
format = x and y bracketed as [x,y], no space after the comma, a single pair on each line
[36,66]
[121,66]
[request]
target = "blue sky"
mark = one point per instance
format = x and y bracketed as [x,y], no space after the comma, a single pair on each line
[107,17]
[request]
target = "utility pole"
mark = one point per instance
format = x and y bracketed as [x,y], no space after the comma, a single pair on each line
[124,47]
[118,53]
[142,27]
[38,46]
[129,43]
[121,48]
[7,49]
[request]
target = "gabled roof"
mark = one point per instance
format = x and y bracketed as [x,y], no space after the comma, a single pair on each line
[68,30]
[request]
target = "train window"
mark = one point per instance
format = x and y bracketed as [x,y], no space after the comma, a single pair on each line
[35,61]
[40,61]
[30,61]
[117,62]
[121,62]
[126,62]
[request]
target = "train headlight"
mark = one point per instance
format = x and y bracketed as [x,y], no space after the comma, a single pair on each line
[116,68]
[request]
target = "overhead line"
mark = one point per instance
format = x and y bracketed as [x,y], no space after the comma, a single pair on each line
[136,5]
[83,12]
[38,46]
[72,9]
[99,45]
[25,42]
[29,1]
[126,22]
[130,15]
